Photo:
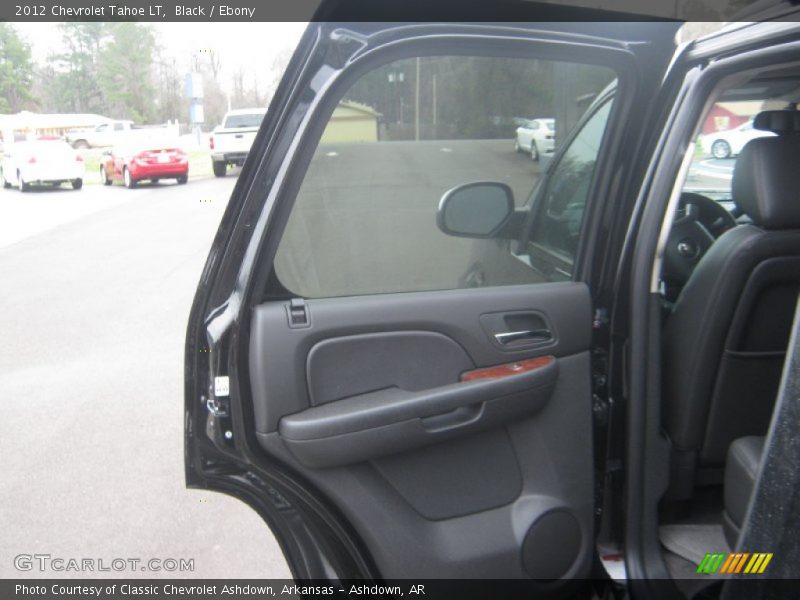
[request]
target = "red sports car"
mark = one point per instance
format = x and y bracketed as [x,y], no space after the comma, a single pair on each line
[132,163]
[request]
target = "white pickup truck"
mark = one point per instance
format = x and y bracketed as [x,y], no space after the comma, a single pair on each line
[231,141]
[102,136]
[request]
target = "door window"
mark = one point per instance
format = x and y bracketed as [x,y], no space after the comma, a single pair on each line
[725,130]
[364,220]
[558,222]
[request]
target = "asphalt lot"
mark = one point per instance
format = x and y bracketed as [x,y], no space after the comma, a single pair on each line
[97,286]
[707,173]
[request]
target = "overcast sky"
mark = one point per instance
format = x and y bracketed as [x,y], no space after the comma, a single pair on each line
[251,46]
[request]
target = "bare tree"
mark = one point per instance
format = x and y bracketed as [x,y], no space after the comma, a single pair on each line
[214,63]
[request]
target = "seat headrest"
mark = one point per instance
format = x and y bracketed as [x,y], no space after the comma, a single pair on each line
[778,121]
[766,181]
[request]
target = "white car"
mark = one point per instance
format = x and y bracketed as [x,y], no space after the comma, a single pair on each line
[727,143]
[41,161]
[535,136]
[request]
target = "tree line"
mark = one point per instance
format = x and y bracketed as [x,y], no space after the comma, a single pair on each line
[471,97]
[120,70]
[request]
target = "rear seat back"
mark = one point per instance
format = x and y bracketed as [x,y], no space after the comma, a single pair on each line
[741,471]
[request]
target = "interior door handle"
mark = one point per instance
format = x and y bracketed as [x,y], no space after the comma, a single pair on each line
[532,335]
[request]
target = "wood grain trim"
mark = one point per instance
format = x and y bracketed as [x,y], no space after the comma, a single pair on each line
[508,369]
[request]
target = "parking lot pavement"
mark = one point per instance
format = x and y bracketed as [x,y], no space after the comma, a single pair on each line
[711,173]
[97,286]
[40,210]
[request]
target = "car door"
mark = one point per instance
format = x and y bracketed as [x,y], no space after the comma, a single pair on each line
[118,158]
[9,170]
[388,416]
[526,134]
[106,133]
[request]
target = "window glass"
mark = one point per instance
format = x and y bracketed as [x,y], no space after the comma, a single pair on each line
[559,221]
[248,120]
[725,130]
[364,220]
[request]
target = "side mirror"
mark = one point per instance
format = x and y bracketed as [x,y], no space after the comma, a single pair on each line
[476,210]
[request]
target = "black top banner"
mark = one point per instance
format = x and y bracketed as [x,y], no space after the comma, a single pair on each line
[383,10]
[156,10]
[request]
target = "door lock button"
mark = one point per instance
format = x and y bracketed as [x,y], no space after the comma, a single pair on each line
[297,312]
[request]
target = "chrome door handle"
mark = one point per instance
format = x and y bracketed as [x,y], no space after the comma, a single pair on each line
[533,335]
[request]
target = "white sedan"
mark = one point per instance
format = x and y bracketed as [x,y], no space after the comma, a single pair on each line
[535,136]
[41,161]
[727,143]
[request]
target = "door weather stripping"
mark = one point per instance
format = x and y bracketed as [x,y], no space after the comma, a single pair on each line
[677,188]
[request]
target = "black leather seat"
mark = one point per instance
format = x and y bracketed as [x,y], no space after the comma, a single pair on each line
[741,471]
[725,339]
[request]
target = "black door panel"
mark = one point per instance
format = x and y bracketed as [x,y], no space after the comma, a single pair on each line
[462,508]
[368,402]
[280,355]
[347,366]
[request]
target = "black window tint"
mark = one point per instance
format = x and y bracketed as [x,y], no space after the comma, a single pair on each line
[364,219]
